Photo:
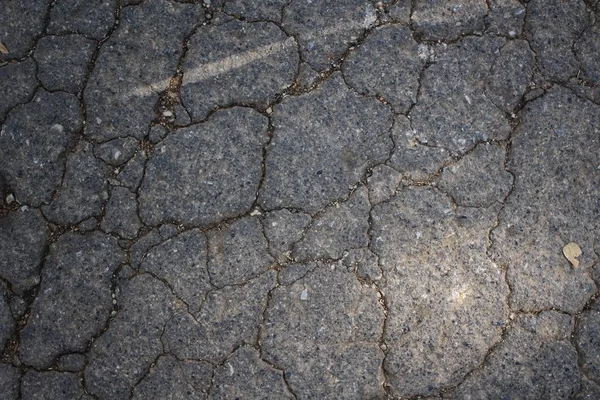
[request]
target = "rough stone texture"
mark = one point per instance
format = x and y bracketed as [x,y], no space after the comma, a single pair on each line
[134,66]
[364,263]
[3,188]
[282,229]
[116,152]
[167,231]
[23,238]
[18,307]
[172,379]
[587,50]
[7,323]
[528,364]
[206,172]
[88,225]
[122,355]
[412,158]
[20,24]
[83,191]
[138,251]
[9,381]
[252,10]
[555,145]
[511,74]
[63,61]
[399,11]
[245,375]
[340,227]
[73,362]
[18,84]
[74,300]
[322,144]
[479,178]
[588,391]
[157,133]
[294,271]
[588,341]
[326,352]
[383,183]
[299,199]
[325,29]
[237,252]
[506,17]
[554,26]
[121,214]
[51,385]
[307,78]
[453,111]
[229,317]
[443,20]
[132,173]
[445,298]
[386,65]
[237,63]
[90,18]
[32,142]
[181,263]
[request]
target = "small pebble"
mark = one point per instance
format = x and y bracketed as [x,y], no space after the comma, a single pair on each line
[304,295]
[167,113]
[10,198]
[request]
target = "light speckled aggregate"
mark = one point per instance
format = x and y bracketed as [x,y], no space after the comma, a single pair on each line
[292,199]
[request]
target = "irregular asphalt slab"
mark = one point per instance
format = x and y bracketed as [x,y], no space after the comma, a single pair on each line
[299,199]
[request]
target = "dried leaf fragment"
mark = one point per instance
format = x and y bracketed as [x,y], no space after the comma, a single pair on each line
[571,252]
[3,48]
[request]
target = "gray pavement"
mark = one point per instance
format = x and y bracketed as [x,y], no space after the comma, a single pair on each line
[299,199]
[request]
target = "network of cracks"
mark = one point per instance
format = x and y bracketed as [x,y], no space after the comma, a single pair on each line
[299,199]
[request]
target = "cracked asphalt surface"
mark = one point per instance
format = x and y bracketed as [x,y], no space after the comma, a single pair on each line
[293,199]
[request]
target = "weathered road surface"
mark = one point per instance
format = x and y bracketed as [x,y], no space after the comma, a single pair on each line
[299,199]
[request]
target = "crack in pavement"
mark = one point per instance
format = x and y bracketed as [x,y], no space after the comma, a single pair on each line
[275,300]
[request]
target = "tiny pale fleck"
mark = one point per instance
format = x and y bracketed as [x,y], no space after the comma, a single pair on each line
[304,295]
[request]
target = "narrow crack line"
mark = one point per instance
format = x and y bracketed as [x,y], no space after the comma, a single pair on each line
[45,23]
[590,24]
[484,361]
[172,290]
[238,285]
[11,350]
[242,18]
[29,100]
[145,374]
[508,316]
[208,270]
[259,341]
[96,54]
[83,380]
[275,262]
[172,94]
[317,263]
[575,338]
[263,165]
[276,99]
[419,90]
[381,342]
[320,213]
[211,384]
[579,94]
